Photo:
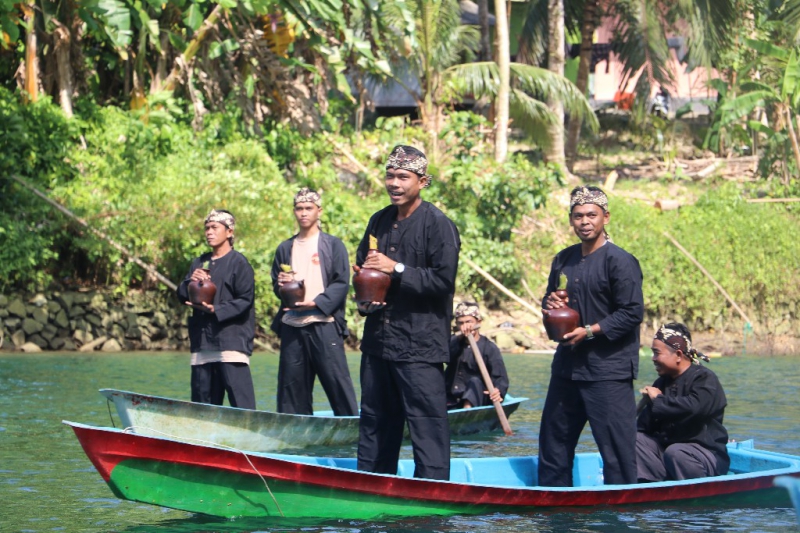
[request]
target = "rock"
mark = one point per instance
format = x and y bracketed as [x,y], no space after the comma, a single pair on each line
[18,338]
[131,320]
[133,332]
[116,331]
[76,311]
[53,307]
[93,319]
[58,343]
[521,339]
[111,345]
[38,340]
[17,308]
[159,320]
[159,334]
[12,323]
[3,300]
[39,300]
[61,319]
[82,336]
[30,347]
[66,300]
[83,298]
[49,332]
[69,346]
[98,302]
[40,315]
[504,341]
[89,346]
[31,326]
[3,312]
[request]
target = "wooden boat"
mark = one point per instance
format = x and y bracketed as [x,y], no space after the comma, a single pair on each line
[265,431]
[233,483]
[792,484]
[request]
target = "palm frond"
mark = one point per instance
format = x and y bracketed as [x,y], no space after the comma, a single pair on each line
[532,117]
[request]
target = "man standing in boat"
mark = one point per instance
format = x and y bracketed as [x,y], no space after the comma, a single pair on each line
[464,382]
[680,432]
[312,333]
[221,334]
[594,367]
[405,342]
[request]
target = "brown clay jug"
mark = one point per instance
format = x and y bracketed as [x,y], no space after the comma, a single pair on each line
[370,285]
[202,291]
[292,293]
[559,322]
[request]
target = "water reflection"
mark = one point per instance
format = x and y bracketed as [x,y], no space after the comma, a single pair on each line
[48,484]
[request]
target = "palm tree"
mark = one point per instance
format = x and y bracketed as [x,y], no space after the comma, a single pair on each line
[641,27]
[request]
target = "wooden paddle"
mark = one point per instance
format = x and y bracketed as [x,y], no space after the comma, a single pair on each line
[498,406]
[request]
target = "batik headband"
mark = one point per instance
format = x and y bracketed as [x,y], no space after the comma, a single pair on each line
[307,195]
[468,309]
[678,341]
[223,217]
[585,195]
[407,160]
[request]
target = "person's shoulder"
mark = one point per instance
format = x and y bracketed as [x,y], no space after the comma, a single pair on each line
[569,250]
[287,242]
[330,238]
[433,211]
[615,250]
[238,257]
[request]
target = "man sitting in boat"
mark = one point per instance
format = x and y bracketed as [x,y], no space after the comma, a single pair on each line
[465,386]
[680,432]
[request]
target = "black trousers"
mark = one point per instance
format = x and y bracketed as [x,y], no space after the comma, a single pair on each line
[610,409]
[211,380]
[391,394]
[307,352]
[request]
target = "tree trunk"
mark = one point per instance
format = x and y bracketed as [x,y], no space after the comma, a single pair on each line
[62,40]
[192,48]
[555,63]
[161,65]
[483,23]
[588,25]
[504,69]
[31,65]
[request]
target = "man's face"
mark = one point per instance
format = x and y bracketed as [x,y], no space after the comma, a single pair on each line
[588,221]
[467,321]
[665,359]
[403,186]
[307,214]
[217,233]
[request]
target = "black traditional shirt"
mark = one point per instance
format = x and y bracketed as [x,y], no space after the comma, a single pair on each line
[414,326]
[232,325]
[605,287]
[463,366]
[335,278]
[690,410]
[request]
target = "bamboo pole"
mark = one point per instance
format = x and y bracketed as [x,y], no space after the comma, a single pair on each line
[150,268]
[493,281]
[192,49]
[487,380]
[772,200]
[709,276]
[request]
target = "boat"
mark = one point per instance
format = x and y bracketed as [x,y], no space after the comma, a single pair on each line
[266,431]
[230,483]
[792,484]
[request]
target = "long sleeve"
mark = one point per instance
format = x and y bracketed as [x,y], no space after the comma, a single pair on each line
[338,282]
[242,288]
[437,277]
[625,279]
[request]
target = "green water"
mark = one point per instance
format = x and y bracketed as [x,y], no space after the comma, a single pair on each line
[48,484]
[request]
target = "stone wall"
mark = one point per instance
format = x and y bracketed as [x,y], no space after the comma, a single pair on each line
[88,320]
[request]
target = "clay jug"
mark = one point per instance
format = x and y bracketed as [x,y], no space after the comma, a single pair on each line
[370,285]
[559,322]
[202,291]
[292,292]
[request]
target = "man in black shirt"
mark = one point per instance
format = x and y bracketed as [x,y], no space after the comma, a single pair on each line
[405,341]
[221,334]
[681,435]
[594,367]
[465,386]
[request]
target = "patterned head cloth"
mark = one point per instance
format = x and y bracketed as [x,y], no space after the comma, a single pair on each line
[307,195]
[468,309]
[673,336]
[409,158]
[223,217]
[588,195]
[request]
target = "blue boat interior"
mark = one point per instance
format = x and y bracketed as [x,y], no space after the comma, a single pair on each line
[587,469]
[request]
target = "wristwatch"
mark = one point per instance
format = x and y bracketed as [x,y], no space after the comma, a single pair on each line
[399,268]
[589,334]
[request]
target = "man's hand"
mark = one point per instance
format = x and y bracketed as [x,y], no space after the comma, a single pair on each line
[202,306]
[575,336]
[554,302]
[200,274]
[652,392]
[378,261]
[494,395]
[370,307]
[285,277]
[302,306]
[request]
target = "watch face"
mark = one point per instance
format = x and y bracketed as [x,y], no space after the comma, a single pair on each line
[399,268]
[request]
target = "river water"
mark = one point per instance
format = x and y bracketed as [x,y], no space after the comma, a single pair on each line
[48,484]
